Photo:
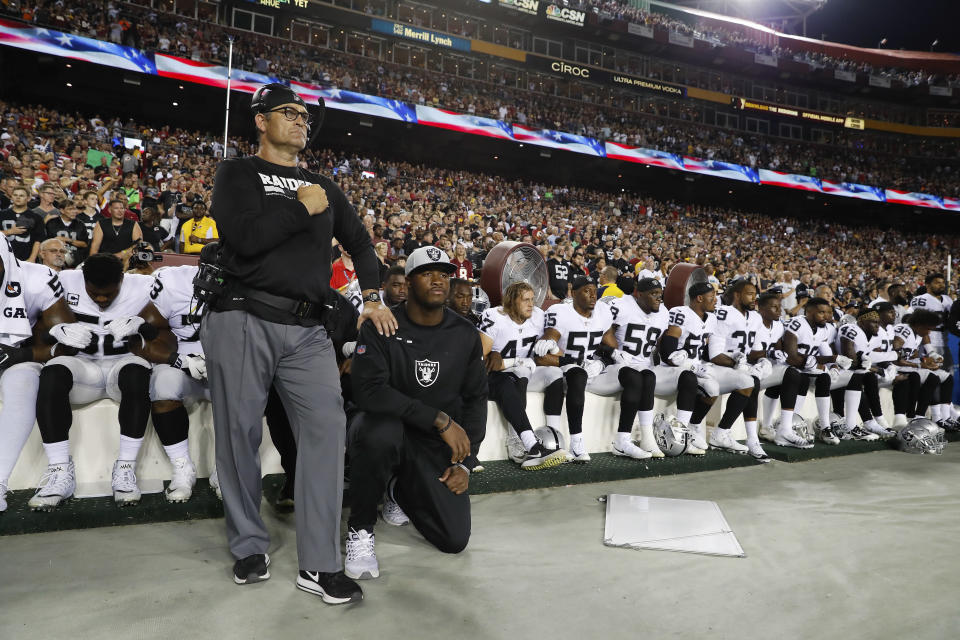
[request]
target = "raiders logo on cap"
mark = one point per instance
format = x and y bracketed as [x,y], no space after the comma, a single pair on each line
[433,253]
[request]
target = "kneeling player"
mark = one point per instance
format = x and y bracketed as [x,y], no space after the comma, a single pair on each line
[32,303]
[508,334]
[933,383]
[104,368]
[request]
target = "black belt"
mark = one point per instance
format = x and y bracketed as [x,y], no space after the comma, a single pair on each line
[300,309]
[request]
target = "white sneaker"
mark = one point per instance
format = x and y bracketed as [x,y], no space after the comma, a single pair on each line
[3,497]
[392,513]
[767,433]
[630,450]
[580,456]
[827,434]
[515,449]
[57,484]
[722,439]
[790,439]
[124,483]
[757,452]
[184,477]
[695,451]
[696,437]
[361,562]
[879,430]
[215,484]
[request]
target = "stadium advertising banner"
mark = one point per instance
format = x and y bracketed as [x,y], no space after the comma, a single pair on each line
[641,30]
[796,112]
[547,10]
[879,81]
[682,39]
[49,42]
[602,76]
[531,7]
[301,5]
[764,59]
[425,36]
[846,76]
[566,15]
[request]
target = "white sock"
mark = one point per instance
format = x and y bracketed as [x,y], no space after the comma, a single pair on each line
[178,450]
[645,417]
[57,452]
[17,415]
[935,412]
[697,429]
[786,420]
[576,444]
[900,417]
[751,427]
[882,421]
[646,436]
[553,421]
[129,448]
[622,439]
[945,413]
[529,439]
[823,409]
[801,400]
[872,422]
[851,401]
[684,417]
[769,407]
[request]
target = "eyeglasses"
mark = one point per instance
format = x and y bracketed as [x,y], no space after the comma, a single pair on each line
[292,114]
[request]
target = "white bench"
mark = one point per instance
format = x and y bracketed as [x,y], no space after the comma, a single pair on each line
[95,436]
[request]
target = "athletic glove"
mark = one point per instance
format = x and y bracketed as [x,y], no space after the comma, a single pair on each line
[619,357]
[522,367]
[780,356]
[10,356]
[844,362]
[125,327]
[680,358]
[348,348]
[194,364]
[543,347]
[889,374]
[834,373]
[592,367]
[72,334]
[738,358]
[810,363]
[700,369]
[761,369]
[866,363]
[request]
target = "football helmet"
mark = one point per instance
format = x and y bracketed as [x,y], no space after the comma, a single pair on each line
[921,436]
[800,427]
[481,301]
[671,437]
[550,438]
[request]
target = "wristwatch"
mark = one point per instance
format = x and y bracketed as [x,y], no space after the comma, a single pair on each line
[373,296]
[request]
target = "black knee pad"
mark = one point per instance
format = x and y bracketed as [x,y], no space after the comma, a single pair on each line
[576,379]
[54,379]
[134,378]
[822,387]
[856,382]
[630,378]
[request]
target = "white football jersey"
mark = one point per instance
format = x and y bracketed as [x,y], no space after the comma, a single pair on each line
[172,295]
[911,342]
[637,332]
[511,340]
[731,334]
[694,330]
[760,336]
[855,334]
[579,336]
[809,340]
[134,295]
[939,305]
[881,345]
[39,289]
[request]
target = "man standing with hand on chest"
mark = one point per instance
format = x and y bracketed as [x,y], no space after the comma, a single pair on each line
[266,327]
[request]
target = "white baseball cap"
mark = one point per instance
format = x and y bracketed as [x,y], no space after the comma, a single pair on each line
[428,256]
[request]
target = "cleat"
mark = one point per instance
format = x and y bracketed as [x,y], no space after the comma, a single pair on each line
[515,449]
[392,513]
[723,439]
[767,433]
[361,562]
[184,477]
[790,439]
[696,437]
[252,569]
[757,453]
[630,450]
[827,434]
[124,483]
[57,485]
[542,458]
[858,433]
[879,430]
[695,451]
[333,588]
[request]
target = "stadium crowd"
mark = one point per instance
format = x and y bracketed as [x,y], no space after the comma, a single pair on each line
[913,164]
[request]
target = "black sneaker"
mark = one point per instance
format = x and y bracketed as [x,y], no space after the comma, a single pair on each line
[252,569]
[539,457]
[333,588]
[284,502]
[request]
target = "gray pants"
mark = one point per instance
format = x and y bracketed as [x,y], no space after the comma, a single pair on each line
[245,355]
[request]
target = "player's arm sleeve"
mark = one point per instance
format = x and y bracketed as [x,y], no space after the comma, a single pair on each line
[350,232]
[241,222]
[372,391]
[474,393]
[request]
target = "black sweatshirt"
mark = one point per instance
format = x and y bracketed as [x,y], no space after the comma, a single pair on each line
[271,243]
[420,371]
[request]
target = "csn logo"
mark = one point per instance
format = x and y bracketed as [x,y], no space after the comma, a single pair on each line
[564,14]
